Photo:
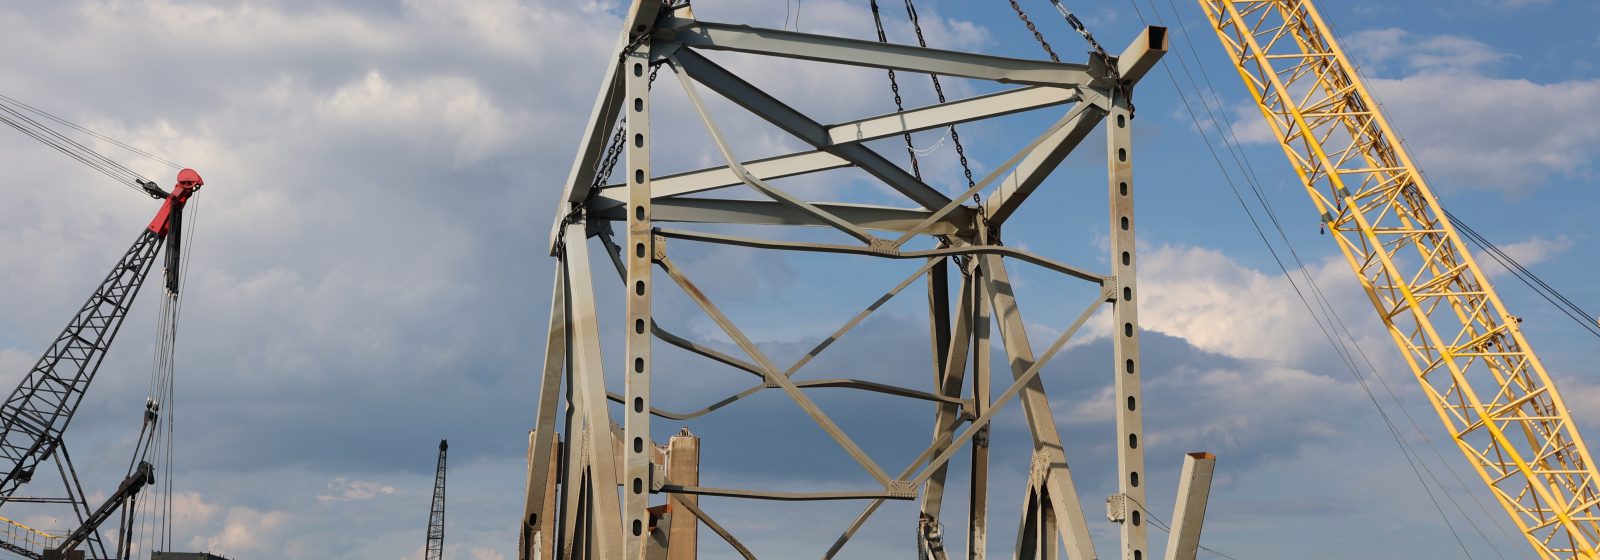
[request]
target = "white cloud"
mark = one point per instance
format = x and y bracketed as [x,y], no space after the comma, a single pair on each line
[1378,49]
[447,111]
[477,553]
[247,532]
[345,490]
[1465,126]
[1219,305]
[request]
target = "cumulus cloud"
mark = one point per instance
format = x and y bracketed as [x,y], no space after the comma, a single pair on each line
[345,490]
[1220,305]
[1439,91]
[365,277]
[247,532]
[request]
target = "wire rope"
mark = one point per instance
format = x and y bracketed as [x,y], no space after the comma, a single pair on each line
[1329,314]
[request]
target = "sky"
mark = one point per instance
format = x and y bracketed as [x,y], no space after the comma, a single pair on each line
[369,271]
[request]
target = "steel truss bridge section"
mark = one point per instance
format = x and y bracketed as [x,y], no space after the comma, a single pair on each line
[1489,388]
[573,507]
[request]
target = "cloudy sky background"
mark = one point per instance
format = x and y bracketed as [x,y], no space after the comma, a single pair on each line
[369,274]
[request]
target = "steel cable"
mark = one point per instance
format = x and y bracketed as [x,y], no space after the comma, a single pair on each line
[1334,320]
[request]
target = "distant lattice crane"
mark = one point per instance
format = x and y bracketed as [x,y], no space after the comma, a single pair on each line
[33,417]
[435,549]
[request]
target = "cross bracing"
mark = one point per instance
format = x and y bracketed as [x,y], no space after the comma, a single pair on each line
[631,223]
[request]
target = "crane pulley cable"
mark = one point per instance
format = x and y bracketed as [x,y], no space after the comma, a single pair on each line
[157,514]
[16,114]
[79,128]
[1583,318]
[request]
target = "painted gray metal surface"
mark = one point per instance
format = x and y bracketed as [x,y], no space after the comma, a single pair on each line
[602,456]
[1188,514]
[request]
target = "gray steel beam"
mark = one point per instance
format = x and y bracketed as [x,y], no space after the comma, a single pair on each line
[761,212]
[543,444]
[1128,366]
[712,178]
[883,126]
[589,381]
[712,524]
[951,372]
[740,92]
[785,496]
[1036,408]
[1188,514]
[979,425]
[872,54]
[951,113]
[1040,142]
[880,388]
[978,486]
[1012,252]
[1142,54]
[1134,62]
[637,366]
[1032,170]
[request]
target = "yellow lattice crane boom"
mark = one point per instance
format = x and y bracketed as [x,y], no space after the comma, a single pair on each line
[1488,386]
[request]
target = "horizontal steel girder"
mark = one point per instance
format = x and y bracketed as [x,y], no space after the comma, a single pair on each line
[857,52]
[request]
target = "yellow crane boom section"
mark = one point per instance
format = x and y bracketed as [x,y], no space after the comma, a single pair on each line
[1468,353]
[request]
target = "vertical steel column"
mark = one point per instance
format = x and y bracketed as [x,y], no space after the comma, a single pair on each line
[683,467]
[978,497]
[1130,421]
[950,355]
[639,254]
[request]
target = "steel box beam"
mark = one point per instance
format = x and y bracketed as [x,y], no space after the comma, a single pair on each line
[713,178]
[761,212]
[872,54]
[915,120]
[1188,514]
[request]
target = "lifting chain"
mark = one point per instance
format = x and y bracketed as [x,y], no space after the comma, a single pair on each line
[938,89]
[1077,25]
[613,154]
[894,86]
[1036,35]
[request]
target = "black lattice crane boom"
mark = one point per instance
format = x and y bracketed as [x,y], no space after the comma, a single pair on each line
[435,550]
[36,413]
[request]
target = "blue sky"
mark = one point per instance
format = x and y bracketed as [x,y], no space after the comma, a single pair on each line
[368,275]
